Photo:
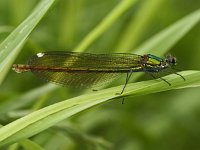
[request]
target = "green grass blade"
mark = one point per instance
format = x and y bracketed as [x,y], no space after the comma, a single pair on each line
[71,130]
[163,41]
[30,145]
[10,47]
[67,24]
[105,24]
[135,29]
[49,116]
[25,98]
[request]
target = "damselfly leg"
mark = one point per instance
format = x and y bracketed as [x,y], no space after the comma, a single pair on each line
[160,78]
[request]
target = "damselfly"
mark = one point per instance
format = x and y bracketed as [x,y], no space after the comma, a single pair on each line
[85,69]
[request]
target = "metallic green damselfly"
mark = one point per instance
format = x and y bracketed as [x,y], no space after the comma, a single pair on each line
[86,69]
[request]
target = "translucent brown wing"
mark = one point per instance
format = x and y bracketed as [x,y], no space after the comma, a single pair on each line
[114,64]
[77,80]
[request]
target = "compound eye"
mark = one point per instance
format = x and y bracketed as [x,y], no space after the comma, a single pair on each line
[173,60]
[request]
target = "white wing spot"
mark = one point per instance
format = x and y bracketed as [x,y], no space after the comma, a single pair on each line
[40,54]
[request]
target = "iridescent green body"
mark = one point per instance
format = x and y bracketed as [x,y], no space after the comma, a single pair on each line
[154,60]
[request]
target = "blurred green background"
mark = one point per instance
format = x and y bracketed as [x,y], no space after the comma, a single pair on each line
[167,120]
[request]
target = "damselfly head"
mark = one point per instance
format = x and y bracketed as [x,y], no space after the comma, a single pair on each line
[171,60]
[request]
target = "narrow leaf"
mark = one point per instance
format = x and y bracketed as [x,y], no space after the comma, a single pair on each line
[49,116]
[163,41]
[105,24]
[10,47]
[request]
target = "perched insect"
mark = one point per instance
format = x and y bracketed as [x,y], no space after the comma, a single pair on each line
[85,69]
